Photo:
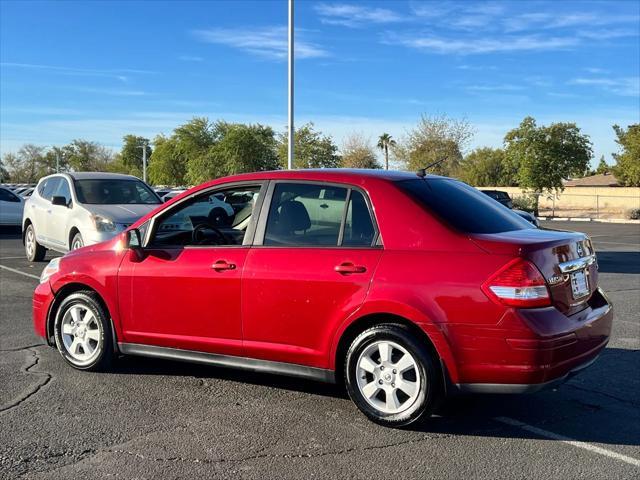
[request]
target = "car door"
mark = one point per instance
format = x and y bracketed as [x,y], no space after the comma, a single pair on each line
[314,255]
[10,208]
[58,219]
[41,209]
[185,290]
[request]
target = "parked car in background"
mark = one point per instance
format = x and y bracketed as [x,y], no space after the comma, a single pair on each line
[27,193]
[172,193]
[11,207]
[404,288]
[505,199]
[68,211]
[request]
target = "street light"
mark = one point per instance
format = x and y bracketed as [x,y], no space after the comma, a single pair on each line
[144,162]
[290,92]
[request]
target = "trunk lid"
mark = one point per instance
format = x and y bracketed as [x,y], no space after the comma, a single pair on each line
[566,260]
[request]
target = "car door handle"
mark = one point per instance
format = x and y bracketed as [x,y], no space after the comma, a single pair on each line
[346,268]
[221,265]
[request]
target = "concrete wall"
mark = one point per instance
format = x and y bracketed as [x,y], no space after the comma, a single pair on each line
[618,199]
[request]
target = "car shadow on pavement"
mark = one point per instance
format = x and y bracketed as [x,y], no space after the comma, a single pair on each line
[619,262]
[10,232]
[587,408]
[150,366]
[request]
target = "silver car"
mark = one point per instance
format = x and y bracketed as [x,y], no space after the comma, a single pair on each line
[68,211]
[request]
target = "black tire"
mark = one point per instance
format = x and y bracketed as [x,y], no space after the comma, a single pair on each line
[33,250]
[421,404]
[76,242]
[102,357]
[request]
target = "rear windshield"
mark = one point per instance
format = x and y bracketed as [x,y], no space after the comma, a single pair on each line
[114,191]
[463,207]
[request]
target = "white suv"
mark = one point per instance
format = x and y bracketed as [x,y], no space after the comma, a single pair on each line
[71,210]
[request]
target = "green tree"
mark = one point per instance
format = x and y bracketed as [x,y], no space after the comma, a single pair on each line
[4,173]
[87,156]
[386,141]
[435,138]
[357,152]
[311,149]
[486,167]
[627,168]
[545,156]
[130,158]
[603,166]
[239,148]
[171,155]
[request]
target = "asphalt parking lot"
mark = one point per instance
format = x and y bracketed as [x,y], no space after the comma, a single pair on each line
[160,419]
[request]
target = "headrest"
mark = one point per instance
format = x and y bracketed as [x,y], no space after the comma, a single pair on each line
[293,216]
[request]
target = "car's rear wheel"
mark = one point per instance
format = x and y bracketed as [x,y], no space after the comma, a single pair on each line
[34,251]
[83,333]
[77,242]
[391,376]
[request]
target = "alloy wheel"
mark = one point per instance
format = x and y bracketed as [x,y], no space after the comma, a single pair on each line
[81,334]
[388,377]
[30,242]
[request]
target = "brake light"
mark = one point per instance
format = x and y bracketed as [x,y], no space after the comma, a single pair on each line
[518,284]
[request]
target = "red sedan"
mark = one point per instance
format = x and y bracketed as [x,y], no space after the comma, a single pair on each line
[403,287]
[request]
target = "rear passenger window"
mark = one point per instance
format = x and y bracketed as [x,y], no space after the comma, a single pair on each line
[305,215]
[314,215]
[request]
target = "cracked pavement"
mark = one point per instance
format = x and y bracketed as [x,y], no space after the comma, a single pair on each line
[152,419]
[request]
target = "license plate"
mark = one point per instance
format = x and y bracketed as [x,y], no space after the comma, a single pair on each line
[579,284]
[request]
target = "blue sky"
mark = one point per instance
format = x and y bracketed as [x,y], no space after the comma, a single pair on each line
[100,70]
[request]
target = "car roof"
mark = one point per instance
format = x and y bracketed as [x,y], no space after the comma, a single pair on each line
[100,176]
[348,175]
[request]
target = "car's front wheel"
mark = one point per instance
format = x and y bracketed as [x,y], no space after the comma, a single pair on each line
[391,376]
[77,242]
[83,333]
[34,251]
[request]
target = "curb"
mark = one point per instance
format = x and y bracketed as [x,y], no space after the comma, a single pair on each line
[582,219]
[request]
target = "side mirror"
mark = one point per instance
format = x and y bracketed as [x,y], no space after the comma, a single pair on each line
[134,244]
[61,201]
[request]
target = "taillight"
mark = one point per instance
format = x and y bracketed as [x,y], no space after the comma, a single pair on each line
[518,284]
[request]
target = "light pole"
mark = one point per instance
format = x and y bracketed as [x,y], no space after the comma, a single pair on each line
[144,162]
[290,93]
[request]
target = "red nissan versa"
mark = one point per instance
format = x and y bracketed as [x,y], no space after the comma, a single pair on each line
[405,288]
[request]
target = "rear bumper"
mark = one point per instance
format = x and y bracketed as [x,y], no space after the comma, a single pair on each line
[514,388]
[530,349]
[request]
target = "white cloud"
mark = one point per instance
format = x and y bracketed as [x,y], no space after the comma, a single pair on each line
[112,92]
[119,74]
[625,86]
[268,42]
[351,15]
[472,46]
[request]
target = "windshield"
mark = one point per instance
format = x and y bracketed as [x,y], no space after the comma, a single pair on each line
[114,191]
[463,207]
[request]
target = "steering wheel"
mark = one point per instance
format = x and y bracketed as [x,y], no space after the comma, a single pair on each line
[199,239]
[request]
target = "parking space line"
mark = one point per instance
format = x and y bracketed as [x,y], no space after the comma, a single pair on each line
[570,441]
[30,275]
[11,258]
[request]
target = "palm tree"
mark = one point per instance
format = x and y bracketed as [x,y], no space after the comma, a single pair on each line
[384,142]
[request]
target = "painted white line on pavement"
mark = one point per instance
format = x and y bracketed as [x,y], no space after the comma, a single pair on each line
[570,441]
[11,258]
[19,272]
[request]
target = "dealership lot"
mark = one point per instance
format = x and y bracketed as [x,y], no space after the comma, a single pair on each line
[160,419]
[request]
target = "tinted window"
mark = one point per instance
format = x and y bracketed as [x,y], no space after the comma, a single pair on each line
[358,227]
[462,206]
[220,218]
[7,196]
[305,214]
[51,186]
[114,192]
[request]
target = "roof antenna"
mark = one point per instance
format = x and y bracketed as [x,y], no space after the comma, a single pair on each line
[422,173]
